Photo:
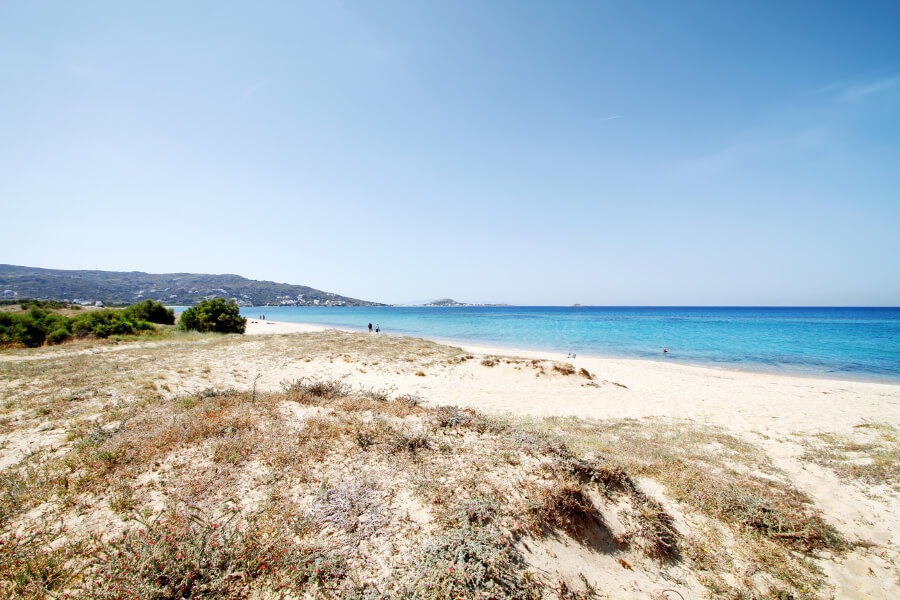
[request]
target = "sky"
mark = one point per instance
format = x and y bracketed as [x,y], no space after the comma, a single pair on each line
[544,153]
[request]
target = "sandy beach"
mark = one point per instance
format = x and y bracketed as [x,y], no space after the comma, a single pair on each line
[776,412]
[265,327]
[826,441]
[761,404]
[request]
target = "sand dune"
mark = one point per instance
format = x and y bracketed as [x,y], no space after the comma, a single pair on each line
[831,445]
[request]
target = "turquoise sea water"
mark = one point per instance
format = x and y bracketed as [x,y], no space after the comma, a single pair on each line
[857,343]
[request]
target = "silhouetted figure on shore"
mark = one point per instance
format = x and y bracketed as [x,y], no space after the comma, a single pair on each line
[370,328]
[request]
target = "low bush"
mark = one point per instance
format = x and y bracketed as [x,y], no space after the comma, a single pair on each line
[152,312]
[58,336]
[216,315]
[39,326]
[469,561]
[45,304]
[184,554]
[107,322]
[29,329]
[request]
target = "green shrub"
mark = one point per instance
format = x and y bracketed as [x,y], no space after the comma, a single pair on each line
[48,321]
[39,326]
[51,304]
[29,329]
[107,322]
[8,326]
[214,315]
[151,311]
[58,336]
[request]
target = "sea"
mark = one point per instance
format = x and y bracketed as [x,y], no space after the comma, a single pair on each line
[846,343]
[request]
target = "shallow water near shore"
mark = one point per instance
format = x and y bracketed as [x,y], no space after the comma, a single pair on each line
[856,343]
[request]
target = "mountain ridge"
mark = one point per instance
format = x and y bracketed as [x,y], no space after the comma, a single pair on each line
[127,287]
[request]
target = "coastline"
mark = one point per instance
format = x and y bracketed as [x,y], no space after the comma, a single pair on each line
[747,401]
[260,327]
[835,343]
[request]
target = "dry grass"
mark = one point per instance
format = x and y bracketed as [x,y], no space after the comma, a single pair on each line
[564,369]
[566,508]
[723,480]
[322,490]
[870,455]
[183,553]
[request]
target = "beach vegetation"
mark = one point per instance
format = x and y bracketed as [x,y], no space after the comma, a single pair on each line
[58,336]
[778,525]
[209,485]
[564,368]
[20,330]
[108,322]
[152,312]
[44,322]
[215,315]
[28,303]
[471,558]
[185,553]
[869,455]
[315,391]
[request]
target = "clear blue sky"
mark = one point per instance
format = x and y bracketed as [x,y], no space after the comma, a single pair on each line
[527,152]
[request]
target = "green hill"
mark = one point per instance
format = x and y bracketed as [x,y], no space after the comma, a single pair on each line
[115,287]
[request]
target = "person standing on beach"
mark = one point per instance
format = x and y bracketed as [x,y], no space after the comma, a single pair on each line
[370,328]
[377,328]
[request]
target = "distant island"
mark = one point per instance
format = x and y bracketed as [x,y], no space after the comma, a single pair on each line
[444,302]
[451,302]
[172,289]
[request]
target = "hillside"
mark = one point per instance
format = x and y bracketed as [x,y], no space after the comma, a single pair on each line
[114,287]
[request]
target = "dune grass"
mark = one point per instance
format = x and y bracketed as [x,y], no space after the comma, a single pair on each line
[870,455]
[130,487]
[728,482]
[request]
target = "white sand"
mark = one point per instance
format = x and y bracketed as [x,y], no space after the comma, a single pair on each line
[776,412]
[758,402]
[261,327]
